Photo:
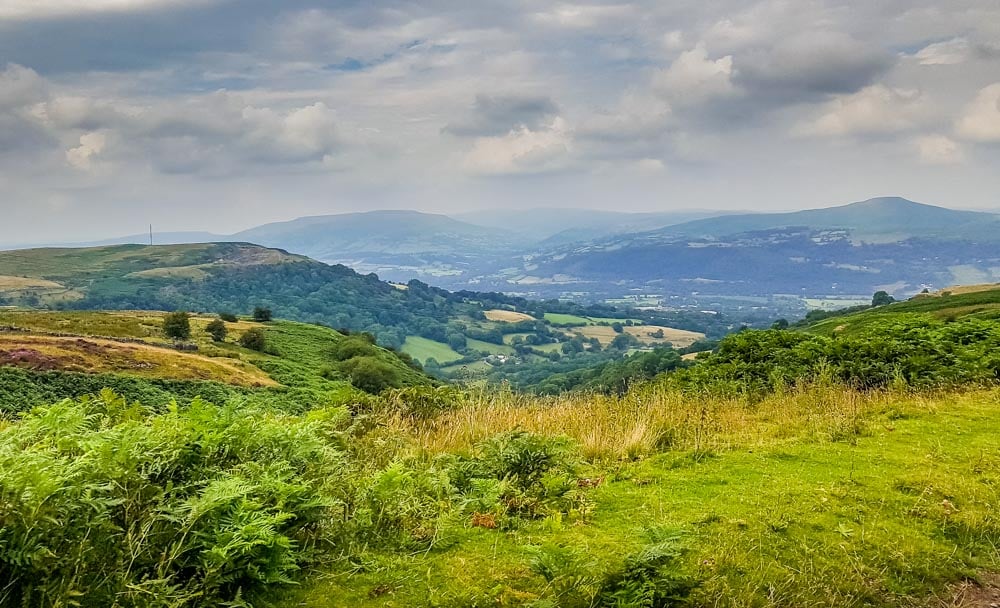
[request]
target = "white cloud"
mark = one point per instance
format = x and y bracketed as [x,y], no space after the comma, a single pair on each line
[949,52]
[693,77]
[522,151]
[874,110]
[939,150]
[91,146]
[34,9]
[981,119]
[583,16]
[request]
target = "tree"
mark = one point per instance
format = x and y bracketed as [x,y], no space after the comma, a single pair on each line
[228,317]
[780,324]
[617,327]
[177,325]
[217,329]
[262,315]
[253,339]
[881,298]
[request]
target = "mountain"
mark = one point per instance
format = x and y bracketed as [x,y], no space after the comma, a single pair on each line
[884,219]
[551,226]
[886,243]
[398,245]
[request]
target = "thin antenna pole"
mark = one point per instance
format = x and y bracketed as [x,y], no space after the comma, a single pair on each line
[150,234]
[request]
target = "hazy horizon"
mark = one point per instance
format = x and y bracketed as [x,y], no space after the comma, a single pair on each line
[218,115]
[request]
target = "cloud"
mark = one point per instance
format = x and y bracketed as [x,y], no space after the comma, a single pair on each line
[583,16]
[949,52]
[693,77]
[44,9]
[496,115]
[939,150]
[874,110]
[980,121]
[522,151]
[20,86]
[811,65]
[91,145]
[635,117]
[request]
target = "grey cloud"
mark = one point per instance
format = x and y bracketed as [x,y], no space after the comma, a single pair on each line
[500,114]
[810,66]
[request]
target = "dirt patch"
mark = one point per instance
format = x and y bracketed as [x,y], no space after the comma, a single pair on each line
[971,594]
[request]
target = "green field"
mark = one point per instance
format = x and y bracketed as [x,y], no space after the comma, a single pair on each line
[565,320]
[423,349]
[554,347]
[489,347]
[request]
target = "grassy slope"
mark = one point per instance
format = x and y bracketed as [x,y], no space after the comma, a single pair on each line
[805,500]
[423,349]
[983,304]
[299,363]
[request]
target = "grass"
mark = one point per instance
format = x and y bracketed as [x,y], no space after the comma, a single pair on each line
[556,318]
[105,356]
[980,301]
[507,316]
[423,349]
[489,347]
[823,497]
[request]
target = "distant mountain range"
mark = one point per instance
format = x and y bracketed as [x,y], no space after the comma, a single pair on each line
[883,243]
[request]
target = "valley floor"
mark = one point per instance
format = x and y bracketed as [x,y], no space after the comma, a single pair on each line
[822,498]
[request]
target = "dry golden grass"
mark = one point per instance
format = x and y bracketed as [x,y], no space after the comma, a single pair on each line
[18,283]
[659,418]
[96,356]
[507,316]
[171,272]
[962,289]
[680,338]
[605,334]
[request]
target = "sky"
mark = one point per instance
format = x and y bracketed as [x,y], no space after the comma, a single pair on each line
[220,115]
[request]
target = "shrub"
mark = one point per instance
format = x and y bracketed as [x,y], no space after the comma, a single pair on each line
[370,374]
[177,325]
[228,317]
[262,315]
[217,329]
[254,339]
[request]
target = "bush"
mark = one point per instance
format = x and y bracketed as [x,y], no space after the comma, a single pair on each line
[217,329]
[370,374]
[254,339]
[262,315]
[228,317]
[177,325]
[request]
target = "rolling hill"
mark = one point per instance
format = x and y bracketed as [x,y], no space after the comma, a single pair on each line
[886,219]
[50,355]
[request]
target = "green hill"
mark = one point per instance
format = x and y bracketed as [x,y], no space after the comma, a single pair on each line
[47,356]
[968,302]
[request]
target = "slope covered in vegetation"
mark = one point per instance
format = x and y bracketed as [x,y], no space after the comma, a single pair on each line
[46,356]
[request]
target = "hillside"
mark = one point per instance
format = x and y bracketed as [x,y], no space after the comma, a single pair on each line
[885,219]
[948,305]
[45,356]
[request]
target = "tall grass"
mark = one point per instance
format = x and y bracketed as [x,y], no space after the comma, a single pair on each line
[659,418]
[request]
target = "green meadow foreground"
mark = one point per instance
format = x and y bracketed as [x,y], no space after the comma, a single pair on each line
[852,462]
